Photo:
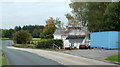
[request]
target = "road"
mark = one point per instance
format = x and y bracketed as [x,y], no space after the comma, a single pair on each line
[25,56]
[18,57]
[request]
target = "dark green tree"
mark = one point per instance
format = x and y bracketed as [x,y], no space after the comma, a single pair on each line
[96,16]
[36,33]
[8,33]
[17,28]
[33,29]
[90,14]
[22,37]
[112,17]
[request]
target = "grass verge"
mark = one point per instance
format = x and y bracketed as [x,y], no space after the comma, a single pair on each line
[3,61]
[23,46]
[4,38]
[115,58]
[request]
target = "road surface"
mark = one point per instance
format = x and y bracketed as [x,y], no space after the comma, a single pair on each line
[18,57]
[25,56]
[92,53]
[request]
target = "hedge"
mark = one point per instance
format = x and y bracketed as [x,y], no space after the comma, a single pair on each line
[48,43]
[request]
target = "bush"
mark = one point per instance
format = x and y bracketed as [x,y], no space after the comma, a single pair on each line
[22,37]
[48,43]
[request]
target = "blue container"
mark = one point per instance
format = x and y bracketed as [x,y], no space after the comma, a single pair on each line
[106,40]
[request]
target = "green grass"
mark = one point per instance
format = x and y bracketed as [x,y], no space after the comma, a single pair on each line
[114,49]
[4,38]
[36,39]
[23,46]
[3,61]
[114,58]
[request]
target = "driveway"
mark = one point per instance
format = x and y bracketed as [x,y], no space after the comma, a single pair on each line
[91,53]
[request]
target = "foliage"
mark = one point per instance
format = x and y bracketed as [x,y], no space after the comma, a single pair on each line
[58,23]
[8,33]
[90,14]
[79,11]
[96,16]
[49,29]
[22,37]
[68,16]
[112,17]
[36,33]
[17,28]
[71,20]
[48,43]
[34,30]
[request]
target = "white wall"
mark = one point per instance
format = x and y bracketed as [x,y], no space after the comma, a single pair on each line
[57,37]
[66,43]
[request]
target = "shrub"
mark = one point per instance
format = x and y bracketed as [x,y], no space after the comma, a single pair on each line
[48,43]
[22,37]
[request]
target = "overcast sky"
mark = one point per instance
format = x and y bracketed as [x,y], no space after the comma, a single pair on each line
[28,12]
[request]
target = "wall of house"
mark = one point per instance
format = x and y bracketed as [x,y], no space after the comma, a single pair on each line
[66,43]
[107,40]
[57,36]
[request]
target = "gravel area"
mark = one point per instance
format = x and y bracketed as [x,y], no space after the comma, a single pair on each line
[95,54]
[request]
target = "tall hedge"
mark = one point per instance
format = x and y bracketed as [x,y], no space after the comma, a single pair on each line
[48,43]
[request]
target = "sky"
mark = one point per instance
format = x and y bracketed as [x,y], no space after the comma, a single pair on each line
[33,12]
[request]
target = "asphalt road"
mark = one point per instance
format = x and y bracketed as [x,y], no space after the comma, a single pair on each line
[18,57]
[25,56]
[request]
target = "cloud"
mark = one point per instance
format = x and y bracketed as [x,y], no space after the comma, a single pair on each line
[35,1]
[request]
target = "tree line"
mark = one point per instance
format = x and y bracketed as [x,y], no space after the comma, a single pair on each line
[34,30]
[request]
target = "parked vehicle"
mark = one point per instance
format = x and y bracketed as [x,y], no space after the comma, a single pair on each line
[84,46]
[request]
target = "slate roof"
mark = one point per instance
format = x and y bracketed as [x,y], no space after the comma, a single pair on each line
[59,32]
[69,31]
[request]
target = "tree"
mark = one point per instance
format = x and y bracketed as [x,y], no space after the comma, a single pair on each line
[70,19]
[49,29]
[90,14]
[17,28]
[36,33]
[34,30]
[112,17]
[79,11]
[96,16]
[58,23]
[22,37]
[8,33]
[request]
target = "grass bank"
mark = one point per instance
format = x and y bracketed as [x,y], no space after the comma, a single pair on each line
[3,60]
[23,46]
[115,58]
[5,38]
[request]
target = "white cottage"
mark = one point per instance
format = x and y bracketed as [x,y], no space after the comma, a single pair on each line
[72,36]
